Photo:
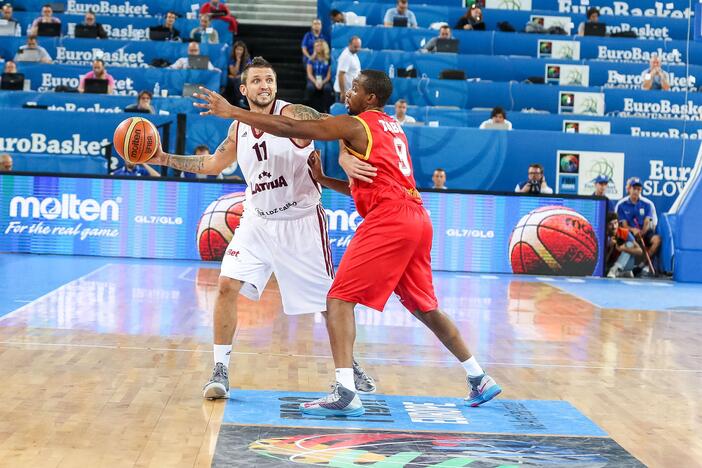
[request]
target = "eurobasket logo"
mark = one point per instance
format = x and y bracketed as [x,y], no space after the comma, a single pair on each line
[107,8]
[619,8]
[69,206]
[661,109]
[118,58]
[39,143]
[49,82]
[637,54]
[616,79]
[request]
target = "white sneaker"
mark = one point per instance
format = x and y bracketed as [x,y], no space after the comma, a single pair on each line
[614,272]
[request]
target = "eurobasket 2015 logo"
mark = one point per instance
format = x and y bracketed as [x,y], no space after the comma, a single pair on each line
[576,172]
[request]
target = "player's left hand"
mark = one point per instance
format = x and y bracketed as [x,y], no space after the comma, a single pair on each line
[214,102]
[315,163]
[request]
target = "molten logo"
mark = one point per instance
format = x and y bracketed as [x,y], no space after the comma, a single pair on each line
[69,206]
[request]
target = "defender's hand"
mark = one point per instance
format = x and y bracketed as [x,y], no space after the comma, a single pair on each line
[355,168]
[214,103]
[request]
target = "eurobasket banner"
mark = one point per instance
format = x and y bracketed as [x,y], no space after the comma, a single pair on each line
[576,172]
[159,219]
[576,102]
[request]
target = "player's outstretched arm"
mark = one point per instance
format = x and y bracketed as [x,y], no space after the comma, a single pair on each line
[209,164]
[315,163]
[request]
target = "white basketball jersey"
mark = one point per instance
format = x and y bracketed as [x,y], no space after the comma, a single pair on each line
[279,182]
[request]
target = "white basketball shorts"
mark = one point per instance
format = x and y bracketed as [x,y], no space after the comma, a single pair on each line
[296,250]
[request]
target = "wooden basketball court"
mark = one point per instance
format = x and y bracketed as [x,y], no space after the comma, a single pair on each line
[103,360]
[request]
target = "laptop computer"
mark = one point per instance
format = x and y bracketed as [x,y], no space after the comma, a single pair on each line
[83,30]
[190,88]
[496,126]
[595,29]
[452,75]
[49,29]
[12,81]
[95,86]
[198,62]
[400,21]
[28,55]
[8,28]
[159,33]
[447,45]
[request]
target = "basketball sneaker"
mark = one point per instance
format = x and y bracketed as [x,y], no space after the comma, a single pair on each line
[218,386]
[483,389]
[364,382]
[340,402]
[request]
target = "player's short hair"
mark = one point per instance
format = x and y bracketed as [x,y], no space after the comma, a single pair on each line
[201,148]
[378,83]
[257,62]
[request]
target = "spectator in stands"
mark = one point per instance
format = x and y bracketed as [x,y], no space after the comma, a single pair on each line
[202,150]
[638,216]
[183,63]
[401,113]
[536,183]
[98,72]
[32,52]
[593,16]
[309,40]
[220,11]
[655,78]
[348,67]
[136,170]
[10,67]
[91,22]
[401,10]
[170,32]
[319,92]
[472,20]
[601,183]
[239,59]
[337,17]
[497,121]
[7,15]
[47,16]
[444,33]
[143,103]
[5,162]
[205,32]
[621,250]
[439,179]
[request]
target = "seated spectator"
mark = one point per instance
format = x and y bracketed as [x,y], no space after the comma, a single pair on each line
[627,190]
[444,33]
[5,162]
[309,39]
[170,33]
[348,67]
[401,10]
[220,11]
[621,251]
[337,17]
[497,121]
[32,52]
[203,150]
[239,59]
[439,179]
[183,63]
[7,15]
[655,78]
[601,183]
[10,67]
[536,183]
[637,215]
[205,32]
[99,72]
[401,113]
[136,170]
[319,92]
[47,16]
[472,20]
[91,22]
[143,103]
[593,16]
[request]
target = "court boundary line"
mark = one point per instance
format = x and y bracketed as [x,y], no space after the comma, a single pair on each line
[53,291]
[365,358]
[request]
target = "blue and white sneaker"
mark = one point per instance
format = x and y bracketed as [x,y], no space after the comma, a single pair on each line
[483,389]
[364,382]
[340,402]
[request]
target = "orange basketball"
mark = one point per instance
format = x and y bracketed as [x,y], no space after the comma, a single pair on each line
[136,140]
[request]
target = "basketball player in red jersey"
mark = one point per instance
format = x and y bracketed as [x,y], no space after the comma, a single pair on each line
[390,251]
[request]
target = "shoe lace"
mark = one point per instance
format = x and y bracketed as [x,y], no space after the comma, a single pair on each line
[333,396]
[220,371]
[358,370]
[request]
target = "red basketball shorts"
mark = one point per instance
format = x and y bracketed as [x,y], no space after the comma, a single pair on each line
[390,252]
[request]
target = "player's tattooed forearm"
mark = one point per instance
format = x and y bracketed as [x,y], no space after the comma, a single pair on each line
[188,163]
[301,112]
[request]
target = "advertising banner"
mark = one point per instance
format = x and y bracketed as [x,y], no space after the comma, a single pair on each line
[592,127]
[114,7]
[570,102]
[567,75]
[576,172]
[564,50]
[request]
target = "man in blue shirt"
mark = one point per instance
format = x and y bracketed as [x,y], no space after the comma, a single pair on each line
[637,215]
[309,39]
[400,11]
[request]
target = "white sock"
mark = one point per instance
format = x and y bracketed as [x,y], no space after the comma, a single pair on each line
[472,367]
[345,377]
[221,354]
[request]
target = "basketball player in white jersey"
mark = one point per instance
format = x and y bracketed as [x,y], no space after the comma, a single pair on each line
[283,229]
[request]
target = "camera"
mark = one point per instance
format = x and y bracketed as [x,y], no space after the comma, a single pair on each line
[534,186]
[621,236]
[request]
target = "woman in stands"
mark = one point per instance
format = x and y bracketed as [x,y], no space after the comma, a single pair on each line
[472,20]
[239,59]
[318,92]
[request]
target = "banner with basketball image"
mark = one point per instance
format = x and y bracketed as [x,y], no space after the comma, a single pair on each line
[576,102]
[567,75]
[576,172]
[590,127]
[564,50]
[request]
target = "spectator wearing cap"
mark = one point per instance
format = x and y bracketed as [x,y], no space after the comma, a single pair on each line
[637,216]
[593,16]
[601,184]
[472,20]
[401,10]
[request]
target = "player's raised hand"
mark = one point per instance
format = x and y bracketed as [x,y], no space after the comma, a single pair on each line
[354,167]
[213,103]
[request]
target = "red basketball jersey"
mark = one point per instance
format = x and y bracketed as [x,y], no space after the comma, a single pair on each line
[388,151]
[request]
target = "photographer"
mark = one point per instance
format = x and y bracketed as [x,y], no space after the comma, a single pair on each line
[622,249]
[536,183]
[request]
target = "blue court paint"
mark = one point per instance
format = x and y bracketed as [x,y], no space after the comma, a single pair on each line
[410,413]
